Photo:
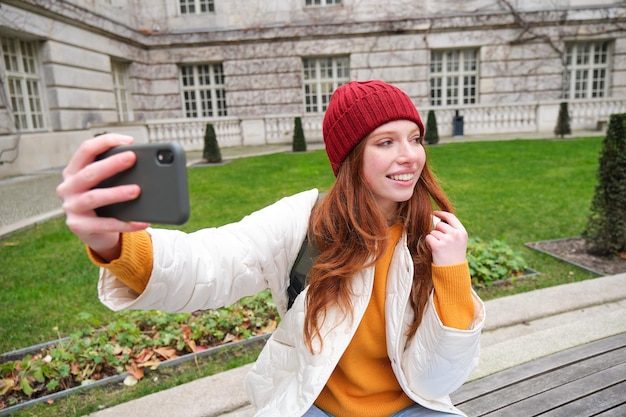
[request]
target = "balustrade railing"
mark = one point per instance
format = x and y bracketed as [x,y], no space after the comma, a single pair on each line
[587,114]
[190,132]
[477,120]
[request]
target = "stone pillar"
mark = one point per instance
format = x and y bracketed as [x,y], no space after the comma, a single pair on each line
[253,131]
[547,113]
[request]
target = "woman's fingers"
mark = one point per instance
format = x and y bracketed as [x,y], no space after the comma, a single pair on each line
[90,200]
[91,148]
[92,174]
[448,240]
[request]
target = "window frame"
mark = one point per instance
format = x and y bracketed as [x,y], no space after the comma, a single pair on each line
[189,7]
[123,99]
[316,89]
[581,76]
[23,83]
[322,3]
[195,100]
[454,74]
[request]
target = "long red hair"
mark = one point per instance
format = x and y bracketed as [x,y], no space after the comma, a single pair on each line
[350,232]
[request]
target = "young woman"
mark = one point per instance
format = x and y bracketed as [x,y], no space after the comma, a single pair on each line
[389,325]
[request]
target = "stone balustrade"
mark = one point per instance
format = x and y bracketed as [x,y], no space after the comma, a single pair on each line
[477,119]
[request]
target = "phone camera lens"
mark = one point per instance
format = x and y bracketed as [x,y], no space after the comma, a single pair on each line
[165,156]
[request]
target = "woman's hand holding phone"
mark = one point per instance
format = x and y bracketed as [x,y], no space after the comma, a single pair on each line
[80,198]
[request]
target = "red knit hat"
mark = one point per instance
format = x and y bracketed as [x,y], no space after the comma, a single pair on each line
[356,109]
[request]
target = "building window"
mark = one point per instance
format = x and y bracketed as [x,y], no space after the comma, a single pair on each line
[203,90]
[587,67]
[322,2]
[321,77]
[119,71]
[23,83]
[453,77]
[196,6]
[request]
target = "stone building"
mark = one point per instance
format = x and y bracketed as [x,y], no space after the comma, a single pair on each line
[161,69]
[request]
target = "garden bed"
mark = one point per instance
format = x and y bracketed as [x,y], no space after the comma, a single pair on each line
[572,250]
[527,273]
[133,344]
[214,353]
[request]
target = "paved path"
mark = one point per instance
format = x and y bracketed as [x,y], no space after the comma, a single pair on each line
[28,199]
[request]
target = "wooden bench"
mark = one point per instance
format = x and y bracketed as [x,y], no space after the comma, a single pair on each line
[588,380]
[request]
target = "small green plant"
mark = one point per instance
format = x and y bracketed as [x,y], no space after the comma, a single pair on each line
[432,134]
[493,261]
[299,142]
[605,233]
[562,127]
[211,152]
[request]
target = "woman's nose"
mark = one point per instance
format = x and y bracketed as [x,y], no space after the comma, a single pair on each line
[408,152]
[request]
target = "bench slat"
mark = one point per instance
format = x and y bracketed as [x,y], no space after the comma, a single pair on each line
[619,411]
[606,399]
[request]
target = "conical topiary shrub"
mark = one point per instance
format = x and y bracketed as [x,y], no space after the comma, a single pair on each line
[605,233]
[299,143]
[211,152]
[432,134]
[562,127]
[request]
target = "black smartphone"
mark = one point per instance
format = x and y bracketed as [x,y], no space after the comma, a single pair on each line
[161,172]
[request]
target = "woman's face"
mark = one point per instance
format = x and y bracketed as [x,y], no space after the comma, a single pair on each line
[393,159]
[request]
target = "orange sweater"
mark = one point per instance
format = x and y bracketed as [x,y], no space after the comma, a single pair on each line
[350,390]
[134,266]
[363,383]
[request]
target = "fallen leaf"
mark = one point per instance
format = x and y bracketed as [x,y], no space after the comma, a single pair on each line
[6,385]
[135,371]
[153,364]
[145,355]
[186,332]
[166,352]
[75,368]
[192,346]
[118,350]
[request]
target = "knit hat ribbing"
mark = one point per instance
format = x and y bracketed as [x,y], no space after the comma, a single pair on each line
[356,109]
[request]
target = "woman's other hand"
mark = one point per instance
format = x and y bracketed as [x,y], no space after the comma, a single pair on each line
[448,240]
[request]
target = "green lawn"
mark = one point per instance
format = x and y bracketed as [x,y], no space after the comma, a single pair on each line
[519,191]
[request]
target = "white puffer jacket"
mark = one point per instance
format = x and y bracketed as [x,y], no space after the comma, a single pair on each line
[217,266]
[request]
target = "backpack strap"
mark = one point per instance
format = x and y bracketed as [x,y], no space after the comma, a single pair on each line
[298,274]
[300,270]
